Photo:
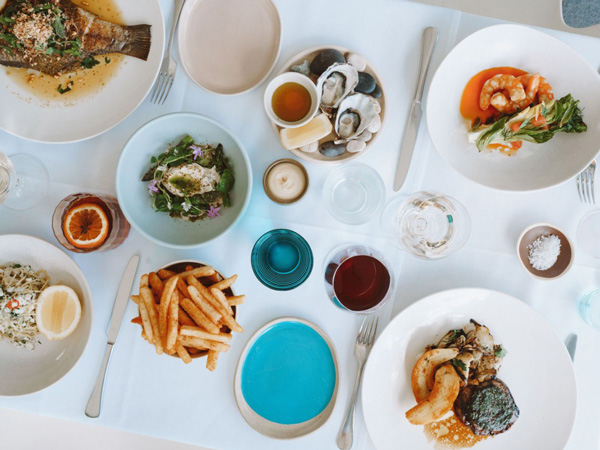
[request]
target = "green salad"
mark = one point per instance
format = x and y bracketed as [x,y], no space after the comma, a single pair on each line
[190,181]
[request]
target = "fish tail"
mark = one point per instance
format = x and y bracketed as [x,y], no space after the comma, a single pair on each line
[138,42]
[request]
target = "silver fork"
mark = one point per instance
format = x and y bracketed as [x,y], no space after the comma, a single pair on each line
[364,343]
[164,82]
[585,184]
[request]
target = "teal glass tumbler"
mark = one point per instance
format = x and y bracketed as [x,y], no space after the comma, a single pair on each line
[282,259]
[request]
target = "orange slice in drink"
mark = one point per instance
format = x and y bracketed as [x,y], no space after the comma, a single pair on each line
[86,226]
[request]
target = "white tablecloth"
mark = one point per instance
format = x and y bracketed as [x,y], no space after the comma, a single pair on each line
[160,396]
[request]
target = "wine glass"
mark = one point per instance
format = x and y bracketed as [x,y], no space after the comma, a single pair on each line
[24,181]
[428,225]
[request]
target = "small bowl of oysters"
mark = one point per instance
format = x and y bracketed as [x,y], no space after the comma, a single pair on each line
[351,111]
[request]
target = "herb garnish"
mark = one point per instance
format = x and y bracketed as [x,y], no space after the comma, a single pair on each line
[67,89]
[89,62]
[459,364]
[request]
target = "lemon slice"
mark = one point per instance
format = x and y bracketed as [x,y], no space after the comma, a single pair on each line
[58,312]
[316,129]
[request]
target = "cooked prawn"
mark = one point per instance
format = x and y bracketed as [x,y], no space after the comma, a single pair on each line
[545,93]
[500,82]
[503,104]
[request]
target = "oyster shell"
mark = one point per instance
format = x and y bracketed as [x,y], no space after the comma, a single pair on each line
[355,113]
[337,82]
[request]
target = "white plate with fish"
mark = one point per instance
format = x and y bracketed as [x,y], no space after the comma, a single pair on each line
[59,84]
[38,363]
[365,86]
[535,366]
[558,156]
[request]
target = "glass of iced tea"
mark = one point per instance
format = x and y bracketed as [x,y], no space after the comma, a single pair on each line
[87,222]
[357,279]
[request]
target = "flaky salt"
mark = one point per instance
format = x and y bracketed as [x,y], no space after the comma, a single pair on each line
[544,251]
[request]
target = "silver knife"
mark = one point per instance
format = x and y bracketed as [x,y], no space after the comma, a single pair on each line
[571,344]
[95,402]
[430,36]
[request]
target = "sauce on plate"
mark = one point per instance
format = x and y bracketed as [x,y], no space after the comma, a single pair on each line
[451,433]
[84,81]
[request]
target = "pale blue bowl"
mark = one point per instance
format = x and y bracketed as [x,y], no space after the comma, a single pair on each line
[152,139]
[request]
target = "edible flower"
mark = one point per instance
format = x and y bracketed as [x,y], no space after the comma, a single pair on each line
[213,212]
[197,151]
[152,187]
[13,304]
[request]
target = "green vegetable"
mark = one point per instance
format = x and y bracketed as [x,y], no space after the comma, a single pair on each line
[563,115]
[67,89]
[107,60]
[458,363]
[59,27]
[90,62]
[499,351]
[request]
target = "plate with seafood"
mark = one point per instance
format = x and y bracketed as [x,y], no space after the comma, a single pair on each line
[465,368]
[516,113]
[45,314]
[71,70]
[351,106]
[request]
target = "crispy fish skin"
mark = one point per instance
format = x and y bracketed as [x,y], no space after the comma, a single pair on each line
[98,37]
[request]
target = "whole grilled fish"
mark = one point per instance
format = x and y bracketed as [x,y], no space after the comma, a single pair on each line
[57,36]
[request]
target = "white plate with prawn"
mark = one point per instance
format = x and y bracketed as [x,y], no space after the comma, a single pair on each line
[518,80]
[536,367]
[91,63]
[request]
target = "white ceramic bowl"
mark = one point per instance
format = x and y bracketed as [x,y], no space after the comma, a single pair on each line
[151,140]
[27,371]
[292,77]
[26,116]
[535,166]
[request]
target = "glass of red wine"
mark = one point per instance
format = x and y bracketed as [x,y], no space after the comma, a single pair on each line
[357,278]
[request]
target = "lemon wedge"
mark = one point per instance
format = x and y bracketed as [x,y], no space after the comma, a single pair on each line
[58,312]
[316,129]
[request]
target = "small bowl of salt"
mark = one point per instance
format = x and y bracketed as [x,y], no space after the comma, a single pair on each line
[545,251]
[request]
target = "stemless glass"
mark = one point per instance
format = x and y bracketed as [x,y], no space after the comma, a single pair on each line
[118,225]
[24,181]
[357,279]
[428,225]
[589,308]
[588,233]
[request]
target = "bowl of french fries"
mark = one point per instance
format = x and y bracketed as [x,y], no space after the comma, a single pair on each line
[188,310]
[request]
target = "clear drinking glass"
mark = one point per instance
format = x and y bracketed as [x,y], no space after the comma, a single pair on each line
[589,308]
[118,225]
[429,225]
[357,278]
[24,181]
[588,233]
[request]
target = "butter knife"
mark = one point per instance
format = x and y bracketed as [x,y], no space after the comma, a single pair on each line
[430,36]
[95,402]
[571,344]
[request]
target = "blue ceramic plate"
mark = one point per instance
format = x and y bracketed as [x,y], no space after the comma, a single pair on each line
[151,140]
[286,380]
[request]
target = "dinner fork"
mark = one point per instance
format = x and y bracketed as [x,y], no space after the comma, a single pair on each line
[364,343]
[585,184]
[163,84]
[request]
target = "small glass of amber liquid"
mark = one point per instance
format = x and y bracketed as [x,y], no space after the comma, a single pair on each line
[291,100]
[87,222]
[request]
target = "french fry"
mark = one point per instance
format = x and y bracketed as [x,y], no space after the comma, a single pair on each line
[227,318]
[198,272]
[156,283]
[165,274]
[146,325]
[173,322]
[226,283]
[236,300]
[135,299]
[183,353]
[144,337]
[215,277]
[194,351]
[188,267]
[205,293]
[222,300]
[183,288]
[198,316]
[137,320]
[200,333]
[146,295]
[144,281]
[184,319]
[211,360]
[203,304]
[195,342]
[165,299]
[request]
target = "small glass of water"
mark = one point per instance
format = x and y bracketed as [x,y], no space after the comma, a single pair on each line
[24,181]
[589,308]
[429,225]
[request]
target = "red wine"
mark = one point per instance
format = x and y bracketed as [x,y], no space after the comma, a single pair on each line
[361,282]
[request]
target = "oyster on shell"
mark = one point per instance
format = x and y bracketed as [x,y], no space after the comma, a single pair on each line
[337,82]
[355,113]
